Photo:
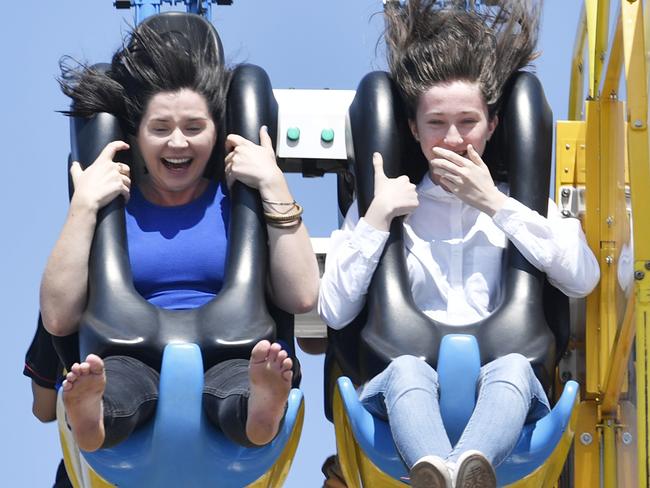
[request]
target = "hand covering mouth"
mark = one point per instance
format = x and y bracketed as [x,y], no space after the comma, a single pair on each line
[176,163]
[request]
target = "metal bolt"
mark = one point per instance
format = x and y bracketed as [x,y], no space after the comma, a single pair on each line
[610,221]
[647,265]
[586,438]
[565,192]
[609,259]
[638,124]
[639,275]
[626,438]
[613,95]
[567,146]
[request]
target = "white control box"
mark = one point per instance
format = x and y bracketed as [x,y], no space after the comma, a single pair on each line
[312,123]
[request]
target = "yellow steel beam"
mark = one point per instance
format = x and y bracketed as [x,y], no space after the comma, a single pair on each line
[612,78]
[619,360]
[610,475]
[586,447]
[576,89]
[592,230]
[636,79]
[613,227]
[626,446]
[637,108]
[646,31]
[597,13]
[642,359]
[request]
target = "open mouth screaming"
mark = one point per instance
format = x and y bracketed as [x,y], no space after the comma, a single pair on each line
[176,164]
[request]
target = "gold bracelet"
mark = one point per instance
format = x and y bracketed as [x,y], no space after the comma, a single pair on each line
[283,218]
[285,225]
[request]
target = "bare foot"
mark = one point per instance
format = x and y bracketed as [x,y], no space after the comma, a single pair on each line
[270,382]
[82,395]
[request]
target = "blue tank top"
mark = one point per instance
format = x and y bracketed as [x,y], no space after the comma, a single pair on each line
[178,254]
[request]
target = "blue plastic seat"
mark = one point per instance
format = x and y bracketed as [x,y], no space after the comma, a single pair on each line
[180,447]
[458,368]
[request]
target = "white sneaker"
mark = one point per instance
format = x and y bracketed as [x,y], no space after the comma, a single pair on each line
[473,470]
[430,472]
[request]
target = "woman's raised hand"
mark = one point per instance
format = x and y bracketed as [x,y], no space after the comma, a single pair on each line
[254,164]
[103,180]
[393,197]
[467,177]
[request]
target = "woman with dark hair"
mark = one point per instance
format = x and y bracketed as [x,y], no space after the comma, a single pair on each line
[451,64]
[170,97]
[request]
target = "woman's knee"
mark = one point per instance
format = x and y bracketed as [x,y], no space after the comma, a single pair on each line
[512,368]
[410,369]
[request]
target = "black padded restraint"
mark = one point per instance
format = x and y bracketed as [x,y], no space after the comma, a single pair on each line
[117,319]
[391,325]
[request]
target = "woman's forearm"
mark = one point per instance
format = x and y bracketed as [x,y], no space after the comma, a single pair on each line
[293,280]
[64,284]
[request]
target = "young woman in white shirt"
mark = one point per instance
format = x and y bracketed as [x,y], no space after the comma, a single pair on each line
[450,65]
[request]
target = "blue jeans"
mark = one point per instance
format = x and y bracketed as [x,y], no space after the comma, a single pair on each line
[406,395]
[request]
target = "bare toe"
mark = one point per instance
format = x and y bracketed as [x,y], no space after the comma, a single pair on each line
[83,390]
[260,351]
[270,384]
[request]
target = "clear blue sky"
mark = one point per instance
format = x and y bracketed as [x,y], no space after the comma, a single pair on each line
[301,44]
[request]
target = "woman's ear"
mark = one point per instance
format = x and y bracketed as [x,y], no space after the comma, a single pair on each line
[414,129]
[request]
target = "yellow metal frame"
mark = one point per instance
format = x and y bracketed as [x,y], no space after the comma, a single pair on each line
[597,14]
[576,89]
[612,431]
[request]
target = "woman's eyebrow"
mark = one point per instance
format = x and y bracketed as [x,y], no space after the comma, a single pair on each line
[162,118]
[462,112]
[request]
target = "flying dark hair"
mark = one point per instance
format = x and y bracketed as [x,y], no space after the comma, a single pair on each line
[148,63]
[430,42]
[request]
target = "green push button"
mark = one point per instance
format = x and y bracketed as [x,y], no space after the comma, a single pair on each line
[327,135]
[293,133]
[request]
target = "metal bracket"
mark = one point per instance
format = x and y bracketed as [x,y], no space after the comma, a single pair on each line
[572,201]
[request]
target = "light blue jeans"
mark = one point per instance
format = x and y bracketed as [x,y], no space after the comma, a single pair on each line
[406,394]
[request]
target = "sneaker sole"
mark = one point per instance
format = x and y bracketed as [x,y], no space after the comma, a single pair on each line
[427,476]
[475,472]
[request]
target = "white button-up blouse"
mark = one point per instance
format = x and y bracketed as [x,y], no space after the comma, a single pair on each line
[454,255]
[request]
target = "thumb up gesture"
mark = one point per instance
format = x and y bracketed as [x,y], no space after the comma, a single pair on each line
[393,197]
